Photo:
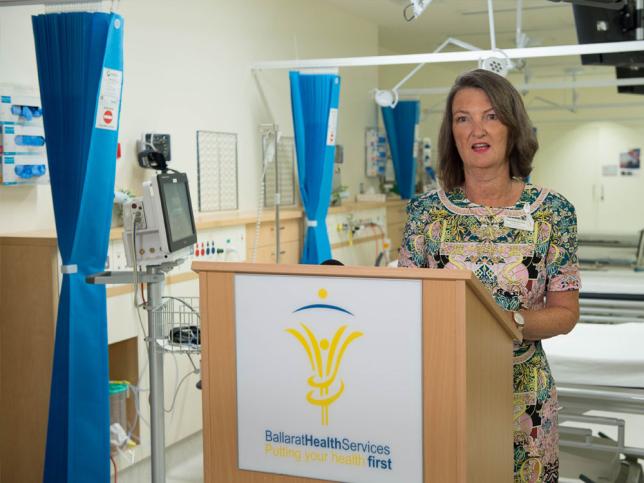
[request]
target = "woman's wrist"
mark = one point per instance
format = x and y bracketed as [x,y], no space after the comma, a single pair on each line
[519,320]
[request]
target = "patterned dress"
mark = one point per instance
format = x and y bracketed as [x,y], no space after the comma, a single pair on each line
[518,266]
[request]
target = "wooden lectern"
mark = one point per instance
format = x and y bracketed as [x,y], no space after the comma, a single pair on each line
[466,355]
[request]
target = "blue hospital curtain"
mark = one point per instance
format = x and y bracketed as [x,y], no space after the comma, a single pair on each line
[400,125]
[314,101]
[80,69]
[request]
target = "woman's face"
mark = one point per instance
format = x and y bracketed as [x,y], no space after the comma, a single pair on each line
[481,138]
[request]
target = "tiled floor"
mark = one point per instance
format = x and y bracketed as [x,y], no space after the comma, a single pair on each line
[184,464]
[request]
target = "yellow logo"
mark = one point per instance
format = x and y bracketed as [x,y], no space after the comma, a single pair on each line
[325,358]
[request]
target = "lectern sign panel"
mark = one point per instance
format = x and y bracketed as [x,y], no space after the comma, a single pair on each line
[329,377]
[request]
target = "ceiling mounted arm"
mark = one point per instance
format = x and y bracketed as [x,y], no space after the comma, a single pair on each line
[414,9]
[386,98]
[607,4]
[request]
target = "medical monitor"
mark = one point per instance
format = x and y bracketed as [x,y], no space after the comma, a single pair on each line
[176,206]
[598,24]
[159,227]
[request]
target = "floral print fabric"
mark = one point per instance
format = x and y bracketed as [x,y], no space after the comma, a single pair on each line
[446,230]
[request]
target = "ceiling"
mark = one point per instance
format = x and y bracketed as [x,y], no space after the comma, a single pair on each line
[545,23]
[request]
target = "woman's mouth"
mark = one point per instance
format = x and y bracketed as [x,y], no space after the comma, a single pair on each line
[480,147]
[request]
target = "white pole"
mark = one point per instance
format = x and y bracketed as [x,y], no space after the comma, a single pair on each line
[639,31]
[490,16]
[578,84]
[519,34]
[523,53]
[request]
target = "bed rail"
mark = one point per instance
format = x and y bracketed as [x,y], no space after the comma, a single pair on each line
[576,401]
[595,310]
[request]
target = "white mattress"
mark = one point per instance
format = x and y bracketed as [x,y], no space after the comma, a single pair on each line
[599,354]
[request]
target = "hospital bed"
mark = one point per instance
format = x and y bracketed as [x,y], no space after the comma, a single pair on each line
[599,370]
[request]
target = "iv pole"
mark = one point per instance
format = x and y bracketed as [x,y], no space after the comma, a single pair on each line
[272,133]
[154,277]
[278,196]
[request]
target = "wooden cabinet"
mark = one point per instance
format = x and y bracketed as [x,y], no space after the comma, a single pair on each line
[28,307]
[396,219]
[290,241]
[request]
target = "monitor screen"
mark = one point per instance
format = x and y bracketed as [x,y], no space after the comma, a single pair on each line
[597,24]
[177,210]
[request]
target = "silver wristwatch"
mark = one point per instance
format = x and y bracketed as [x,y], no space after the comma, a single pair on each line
[518,320]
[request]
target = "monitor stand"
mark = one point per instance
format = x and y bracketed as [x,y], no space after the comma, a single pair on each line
[154,277]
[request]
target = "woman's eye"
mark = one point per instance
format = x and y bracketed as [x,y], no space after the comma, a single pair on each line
[460,119]
[492,116]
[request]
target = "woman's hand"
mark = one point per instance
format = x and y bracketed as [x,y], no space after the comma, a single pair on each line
[558,317]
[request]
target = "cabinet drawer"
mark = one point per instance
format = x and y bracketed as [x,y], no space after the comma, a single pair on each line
[289,253]
[289,231]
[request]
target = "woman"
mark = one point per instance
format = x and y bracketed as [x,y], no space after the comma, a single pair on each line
[520,240]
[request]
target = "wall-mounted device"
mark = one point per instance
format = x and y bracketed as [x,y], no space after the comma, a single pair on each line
[154,151]
[160,226]
[609,21]
[23,155]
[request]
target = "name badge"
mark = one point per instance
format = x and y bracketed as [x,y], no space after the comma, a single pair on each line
[526,223]
[519,224]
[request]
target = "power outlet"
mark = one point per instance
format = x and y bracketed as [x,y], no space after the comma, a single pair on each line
[117,256]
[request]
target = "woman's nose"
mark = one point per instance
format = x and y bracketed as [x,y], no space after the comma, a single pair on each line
[478,129]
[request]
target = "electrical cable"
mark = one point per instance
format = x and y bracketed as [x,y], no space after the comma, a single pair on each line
[192,309]
[197,371]
[174,399]
[116,471]
[176,374]
[136,217]
[136,389]
[135,269]
[137,406]
[406,14]
[132,426]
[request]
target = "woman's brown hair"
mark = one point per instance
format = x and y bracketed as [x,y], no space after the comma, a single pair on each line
[508,106]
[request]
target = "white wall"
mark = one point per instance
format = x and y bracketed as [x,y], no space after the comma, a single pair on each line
[187,68]
[21,207]
[570,160]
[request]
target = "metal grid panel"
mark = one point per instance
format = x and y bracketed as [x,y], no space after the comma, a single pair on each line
[217,170]
[285,163]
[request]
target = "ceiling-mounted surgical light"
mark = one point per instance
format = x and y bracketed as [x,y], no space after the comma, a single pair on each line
[501,64]
[386,98]
[417,7]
